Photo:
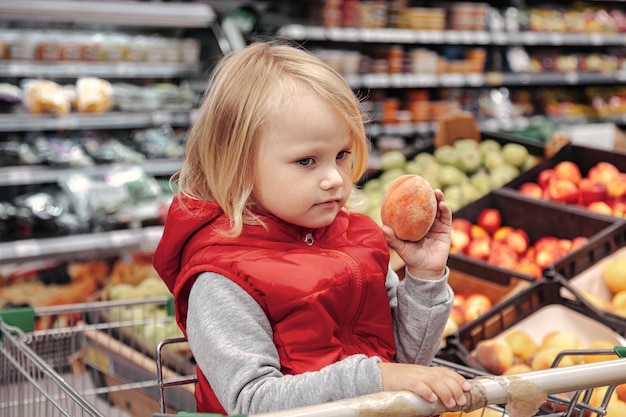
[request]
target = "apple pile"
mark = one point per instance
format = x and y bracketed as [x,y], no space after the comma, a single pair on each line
[466,307]
[464,171]
[507,247]
[602,190]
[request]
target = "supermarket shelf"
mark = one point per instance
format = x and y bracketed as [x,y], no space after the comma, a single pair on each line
[25,175]
[22,122]
[105,70]
[408,36]
[490,79]
[134,13]
[77,246]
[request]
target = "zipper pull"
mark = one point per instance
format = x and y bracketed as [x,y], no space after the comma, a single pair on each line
[308,239]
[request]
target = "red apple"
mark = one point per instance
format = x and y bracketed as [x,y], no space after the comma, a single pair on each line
[459,240]
[489,219]
[477,232]
[545,177]
[528,267]
[592,191]
[619,207]
[617,186]
[531,189]
[546,242]
[479,248]
[578,241]
[461,224]
[458,309]
[603,172]
[568,170]
[517,240]
[476,305]
[600,207]
[501,233]
[563,191]
[503,256]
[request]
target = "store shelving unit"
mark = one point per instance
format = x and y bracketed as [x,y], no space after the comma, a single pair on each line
[174,18]
[320,37]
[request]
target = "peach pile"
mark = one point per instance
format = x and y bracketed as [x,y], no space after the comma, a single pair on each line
[602,190]
[614,277]
[508,247]
[518,352]
[409,207]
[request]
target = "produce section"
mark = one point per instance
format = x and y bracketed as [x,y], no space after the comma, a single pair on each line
[537,255]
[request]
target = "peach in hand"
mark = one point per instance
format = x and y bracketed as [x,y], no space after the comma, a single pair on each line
[409,207]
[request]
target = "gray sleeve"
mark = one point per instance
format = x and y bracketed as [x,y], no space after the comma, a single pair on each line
[231,340]
[420,310]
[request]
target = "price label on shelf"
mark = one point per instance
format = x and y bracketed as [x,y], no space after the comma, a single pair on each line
[571,77]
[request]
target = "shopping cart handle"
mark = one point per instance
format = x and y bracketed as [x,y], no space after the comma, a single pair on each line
[620,351]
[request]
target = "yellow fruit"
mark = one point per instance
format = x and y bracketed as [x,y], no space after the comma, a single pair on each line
[615,274]
[600,345]
[522,343]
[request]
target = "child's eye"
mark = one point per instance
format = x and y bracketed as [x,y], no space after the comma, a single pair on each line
[343,154]
[305,162]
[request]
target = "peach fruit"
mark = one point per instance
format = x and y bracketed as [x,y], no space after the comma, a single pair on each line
[531,189]
[409,207]
[522,344]
[489,219]
[620,391]
[600,345]
[518,368]
[495,355]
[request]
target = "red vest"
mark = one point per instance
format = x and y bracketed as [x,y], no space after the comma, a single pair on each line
[325,301]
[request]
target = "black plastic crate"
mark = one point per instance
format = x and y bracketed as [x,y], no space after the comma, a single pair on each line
[584,157]
[509,313]
[605,234]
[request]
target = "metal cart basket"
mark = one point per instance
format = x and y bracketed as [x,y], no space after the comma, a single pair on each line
[573,391]
[92,359]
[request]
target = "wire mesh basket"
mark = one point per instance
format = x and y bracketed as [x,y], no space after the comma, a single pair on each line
[98,361]
[573,391]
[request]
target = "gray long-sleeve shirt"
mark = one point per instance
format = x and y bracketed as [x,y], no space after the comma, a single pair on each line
[231,340]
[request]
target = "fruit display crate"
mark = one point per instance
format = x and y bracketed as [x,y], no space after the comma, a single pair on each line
[541,312]
[602,287]
[599,185]
[604,234]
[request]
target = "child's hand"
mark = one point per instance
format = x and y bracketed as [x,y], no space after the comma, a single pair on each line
[426,258]
[429,382]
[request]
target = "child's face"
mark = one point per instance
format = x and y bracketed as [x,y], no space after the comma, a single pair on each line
[303,164]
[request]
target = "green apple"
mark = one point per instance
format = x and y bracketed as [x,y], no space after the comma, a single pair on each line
[454,197]
[425,158]
[414,167]
[466,144]
[481,181]
[446,155]
[469,160]
[372,185]
[451,175]
[489,145]
[470,193]
[530,162]
[392,160]
[514,154]
[389,175]
[493,160]
[502,174]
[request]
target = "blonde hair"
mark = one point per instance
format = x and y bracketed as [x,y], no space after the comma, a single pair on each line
[220,154]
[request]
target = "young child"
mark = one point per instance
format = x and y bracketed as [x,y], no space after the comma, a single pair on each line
[285,294]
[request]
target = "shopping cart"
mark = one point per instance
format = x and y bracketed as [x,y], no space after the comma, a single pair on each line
[91,359]
[573,391]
